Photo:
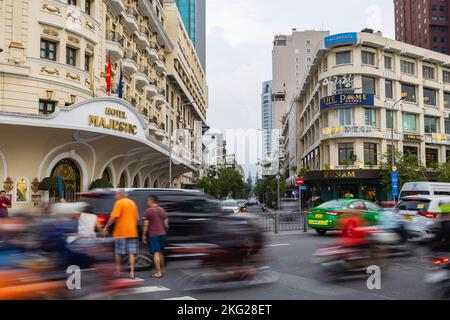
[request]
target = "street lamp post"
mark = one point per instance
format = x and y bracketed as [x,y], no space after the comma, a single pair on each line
[403,97]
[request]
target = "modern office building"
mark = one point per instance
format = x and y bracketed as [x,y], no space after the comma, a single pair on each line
[193,13]
[56,114]
[267,119]
[423,23]
[291,56]
[349,111]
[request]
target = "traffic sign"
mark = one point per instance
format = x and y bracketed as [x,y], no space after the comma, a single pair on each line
[395,188]
[299,182]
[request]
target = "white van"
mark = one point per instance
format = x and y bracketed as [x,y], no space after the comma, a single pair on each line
[425,189]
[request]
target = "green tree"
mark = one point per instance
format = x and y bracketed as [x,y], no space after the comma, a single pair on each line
[101,184]
[223,183]
[443,172]
[408,166]
[267,190]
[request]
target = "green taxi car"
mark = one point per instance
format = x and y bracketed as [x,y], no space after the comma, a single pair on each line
[325,217]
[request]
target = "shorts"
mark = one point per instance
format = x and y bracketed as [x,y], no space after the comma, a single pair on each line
[157,244]
[127,246]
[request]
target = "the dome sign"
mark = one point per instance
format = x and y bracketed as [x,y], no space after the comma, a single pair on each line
[347,100]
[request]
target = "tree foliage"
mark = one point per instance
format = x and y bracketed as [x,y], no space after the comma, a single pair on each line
[101,184]
[267,190]
[225,183]
[408,166]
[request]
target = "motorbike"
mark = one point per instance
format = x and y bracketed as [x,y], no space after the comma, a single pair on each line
[351,257]
[439,278]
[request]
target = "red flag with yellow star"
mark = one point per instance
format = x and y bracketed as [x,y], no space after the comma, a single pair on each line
[108,76]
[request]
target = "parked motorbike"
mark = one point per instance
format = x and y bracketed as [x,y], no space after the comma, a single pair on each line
[439,278]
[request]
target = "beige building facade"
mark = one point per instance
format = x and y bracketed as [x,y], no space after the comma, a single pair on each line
[350,110]
[54,124]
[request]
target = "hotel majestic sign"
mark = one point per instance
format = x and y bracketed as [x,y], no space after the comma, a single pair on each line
[114,120]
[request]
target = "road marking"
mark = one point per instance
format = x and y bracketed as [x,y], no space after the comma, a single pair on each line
[181,298]
[279,245]
[143,290]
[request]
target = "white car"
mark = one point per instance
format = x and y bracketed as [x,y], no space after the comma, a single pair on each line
[420,213]
[231,206]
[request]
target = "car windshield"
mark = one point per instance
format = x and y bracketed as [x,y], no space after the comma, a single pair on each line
[241,202]
[102,204]
[332,204]
[414,193]
[230,204]
[413,205]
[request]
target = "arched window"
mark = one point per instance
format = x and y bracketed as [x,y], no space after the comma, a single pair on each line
[107,175]
[22,190]
[147,183]
[136,182]
[155,184]
[123,180]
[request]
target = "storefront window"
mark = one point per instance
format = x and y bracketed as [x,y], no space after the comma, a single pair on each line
[370,154]
[346,154]
[346,117]
[431,125]
[410,122]
[432,157]
[412,152]
[370,193]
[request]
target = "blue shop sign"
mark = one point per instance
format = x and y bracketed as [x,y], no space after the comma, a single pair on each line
[341,39]
[348,100]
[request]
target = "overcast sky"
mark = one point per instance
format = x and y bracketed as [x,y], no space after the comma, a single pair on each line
[239,47]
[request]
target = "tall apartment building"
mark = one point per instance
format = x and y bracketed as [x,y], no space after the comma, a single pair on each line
[58,116]
[193,13]
[291,58]
[423,23]
[267,119]
[350,115]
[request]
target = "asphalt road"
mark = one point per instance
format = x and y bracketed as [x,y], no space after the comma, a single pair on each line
[289,259]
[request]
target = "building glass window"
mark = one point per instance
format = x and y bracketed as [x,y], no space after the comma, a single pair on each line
[412,152]
[368,58]
[346,117]
[87,7]
[408,67]
[446,76]
[429,96]
[370,117]
[410,122]
[46,107]
[343,57]
[48,50]
[388,63]
[87,63]
[431,157]
[368,85]
[447,100]
[411,91]
[431,125]
[370,154]
[72,2]
[346,154]
[428,72]
[447,126]
[71,56]
[389,89]
[389,119]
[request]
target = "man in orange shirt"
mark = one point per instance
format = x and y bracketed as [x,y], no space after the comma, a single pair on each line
[125,216]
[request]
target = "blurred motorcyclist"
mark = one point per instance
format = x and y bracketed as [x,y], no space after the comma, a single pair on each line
[443,221]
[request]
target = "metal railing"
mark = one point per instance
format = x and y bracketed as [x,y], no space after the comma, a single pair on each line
[283,221]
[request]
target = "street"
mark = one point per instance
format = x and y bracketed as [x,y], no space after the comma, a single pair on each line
[299,279]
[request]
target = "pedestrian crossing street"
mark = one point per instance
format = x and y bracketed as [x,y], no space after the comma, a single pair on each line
[155,292]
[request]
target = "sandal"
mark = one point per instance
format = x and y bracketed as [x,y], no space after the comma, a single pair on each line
[156,276]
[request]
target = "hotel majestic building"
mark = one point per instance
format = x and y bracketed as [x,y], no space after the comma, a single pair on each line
[57,118]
